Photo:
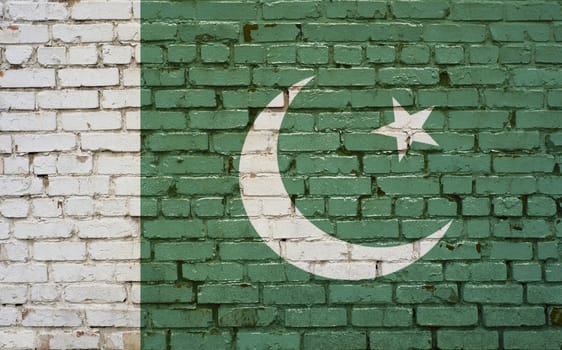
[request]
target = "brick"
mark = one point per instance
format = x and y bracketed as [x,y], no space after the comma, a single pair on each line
[483,54]
[334,340]
[475,11]
[426,293]
[227,294]
[41,317]
[59,251]
[294,294]
[251,340]
[360,294]
[530,339]
[85,33]
[536,77]
[36,12]
[511,251]
[455,33]
[198,340]
[543,294]
[471,339]
[400,339]
[454,316]
[24,34]
[315,317]
[88,77]
[513,316]
[518,32]
[382,317]
[419,9]
[93,11]
[493,294]
[67,99]
[82,55]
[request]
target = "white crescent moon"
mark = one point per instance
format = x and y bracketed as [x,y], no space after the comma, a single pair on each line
[288,232]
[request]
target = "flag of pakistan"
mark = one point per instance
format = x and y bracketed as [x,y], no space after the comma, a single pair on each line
[351,175]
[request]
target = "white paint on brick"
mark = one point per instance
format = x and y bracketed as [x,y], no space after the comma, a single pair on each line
[83,33]
[18,54]
[73,340]
[115,164]
[23,273]
[46,207]
[36,11]
[96,293]
[83,55]
[128,32]
[17,100]
[16,78]
[15,165]
[91,120]
[117,250]
[74,164]
[51,55]
[44,142]
[59,251]
[45,229]
[80,272]
[101,10]
[74,185]
[44,292]
[52,317]
[44,164]
[28,121]
[131,77]
[14,251]
[8,316]
[17,339]
[127,272]
[113,317]
[120,98]
[23,33]
[79,206]
[116,54]
[76,77]
[62,204]
[14,208]
[122,142]
[67,99]
[127,186]
[13,294]
[112,207]
[20,186]
[4,229]
[132,120]
[5,144]
[106,228]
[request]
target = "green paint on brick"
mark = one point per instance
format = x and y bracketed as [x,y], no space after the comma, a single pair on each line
[489,71]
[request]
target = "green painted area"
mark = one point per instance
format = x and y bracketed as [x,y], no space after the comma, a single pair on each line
[491,71]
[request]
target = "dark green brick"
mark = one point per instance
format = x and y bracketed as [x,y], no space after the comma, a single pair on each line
[227,294]
[355,340]
[294,294]
[316,317]
[382,317]
[513,316]
[453,316]
[249,340]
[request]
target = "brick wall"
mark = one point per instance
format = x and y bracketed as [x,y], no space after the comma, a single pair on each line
[490,69]
[69,141]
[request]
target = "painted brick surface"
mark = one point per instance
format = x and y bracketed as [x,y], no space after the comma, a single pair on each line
[69,134]
[491,72]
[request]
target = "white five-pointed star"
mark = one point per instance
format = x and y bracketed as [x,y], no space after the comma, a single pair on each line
[406,128]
